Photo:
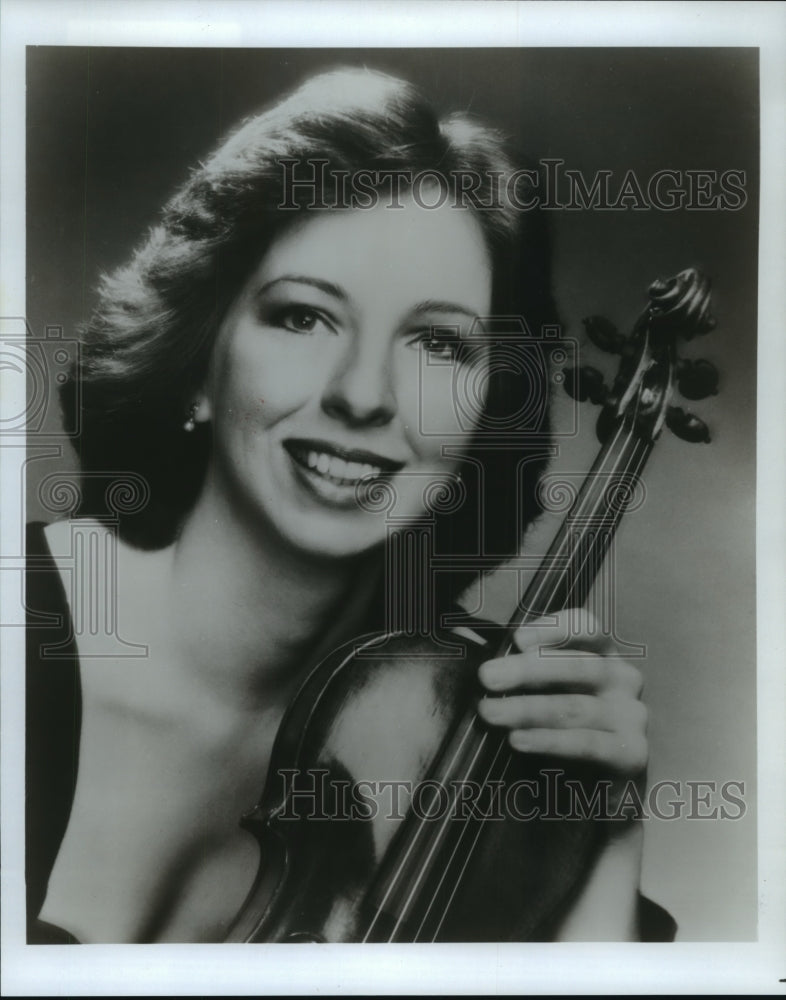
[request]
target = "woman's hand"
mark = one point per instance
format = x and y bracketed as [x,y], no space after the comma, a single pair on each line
[568,694]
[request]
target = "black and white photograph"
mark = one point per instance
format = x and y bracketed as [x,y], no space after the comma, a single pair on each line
[388,429]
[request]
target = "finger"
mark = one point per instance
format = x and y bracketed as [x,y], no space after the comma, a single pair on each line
[566,711]
[574,628]
[621,754]
[533,671]
[549,711]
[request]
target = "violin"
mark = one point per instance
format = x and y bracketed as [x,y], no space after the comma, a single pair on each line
[377,828]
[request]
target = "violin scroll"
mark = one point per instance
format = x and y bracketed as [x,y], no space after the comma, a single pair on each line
[683,303]
[649,369]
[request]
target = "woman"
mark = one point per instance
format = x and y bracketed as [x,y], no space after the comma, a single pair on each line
[286,345]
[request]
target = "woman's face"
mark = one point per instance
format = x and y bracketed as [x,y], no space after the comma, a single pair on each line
[327,376]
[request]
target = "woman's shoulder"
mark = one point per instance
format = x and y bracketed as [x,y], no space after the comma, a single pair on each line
[52,545]
[81,567]
[56,554]
[56,537]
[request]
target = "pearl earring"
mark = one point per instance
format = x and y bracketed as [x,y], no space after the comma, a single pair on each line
[190,423]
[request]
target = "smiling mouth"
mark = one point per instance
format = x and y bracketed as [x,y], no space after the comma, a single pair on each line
[339,466]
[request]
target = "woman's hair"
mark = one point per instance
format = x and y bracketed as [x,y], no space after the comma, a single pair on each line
[146,348]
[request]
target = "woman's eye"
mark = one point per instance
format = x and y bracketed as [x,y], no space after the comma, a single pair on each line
[440,345]
[299,319]
[442,348]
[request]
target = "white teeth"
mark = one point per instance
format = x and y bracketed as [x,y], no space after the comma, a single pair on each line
[338,468]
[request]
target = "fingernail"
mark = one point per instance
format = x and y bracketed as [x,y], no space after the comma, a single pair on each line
[525,636]
[489,708]
[520,740]
[490,674]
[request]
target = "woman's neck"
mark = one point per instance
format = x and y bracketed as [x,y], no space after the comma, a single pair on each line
[253,613]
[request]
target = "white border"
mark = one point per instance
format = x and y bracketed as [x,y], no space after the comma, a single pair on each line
[221,970]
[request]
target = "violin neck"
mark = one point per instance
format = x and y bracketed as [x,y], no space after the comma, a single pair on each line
[568,571]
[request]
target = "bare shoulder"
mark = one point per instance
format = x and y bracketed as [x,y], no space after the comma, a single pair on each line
[114,591]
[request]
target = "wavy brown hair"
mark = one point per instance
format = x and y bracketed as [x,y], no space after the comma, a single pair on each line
[146,348]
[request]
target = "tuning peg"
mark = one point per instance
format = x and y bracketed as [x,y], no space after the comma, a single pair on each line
[697,379]
[704,324]
[686,425]
[585,383]
[604,334]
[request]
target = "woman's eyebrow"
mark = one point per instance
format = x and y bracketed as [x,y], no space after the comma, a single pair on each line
[303,279]
[436,305]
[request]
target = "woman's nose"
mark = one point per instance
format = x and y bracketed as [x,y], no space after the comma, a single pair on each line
[359,390]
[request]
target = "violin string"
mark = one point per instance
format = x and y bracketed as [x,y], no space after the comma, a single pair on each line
[413,886]
[413,843]
[580,515]
[468,855]
[639,461]
[467,858]
[633,460]
[456,758]
[616,515]
[588,499]
[445,824]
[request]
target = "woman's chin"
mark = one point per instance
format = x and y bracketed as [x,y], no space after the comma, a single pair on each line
[323,539]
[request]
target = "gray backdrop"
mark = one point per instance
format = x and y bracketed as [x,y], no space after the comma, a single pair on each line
[110,132]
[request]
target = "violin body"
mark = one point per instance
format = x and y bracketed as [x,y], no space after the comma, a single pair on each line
[386,711]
